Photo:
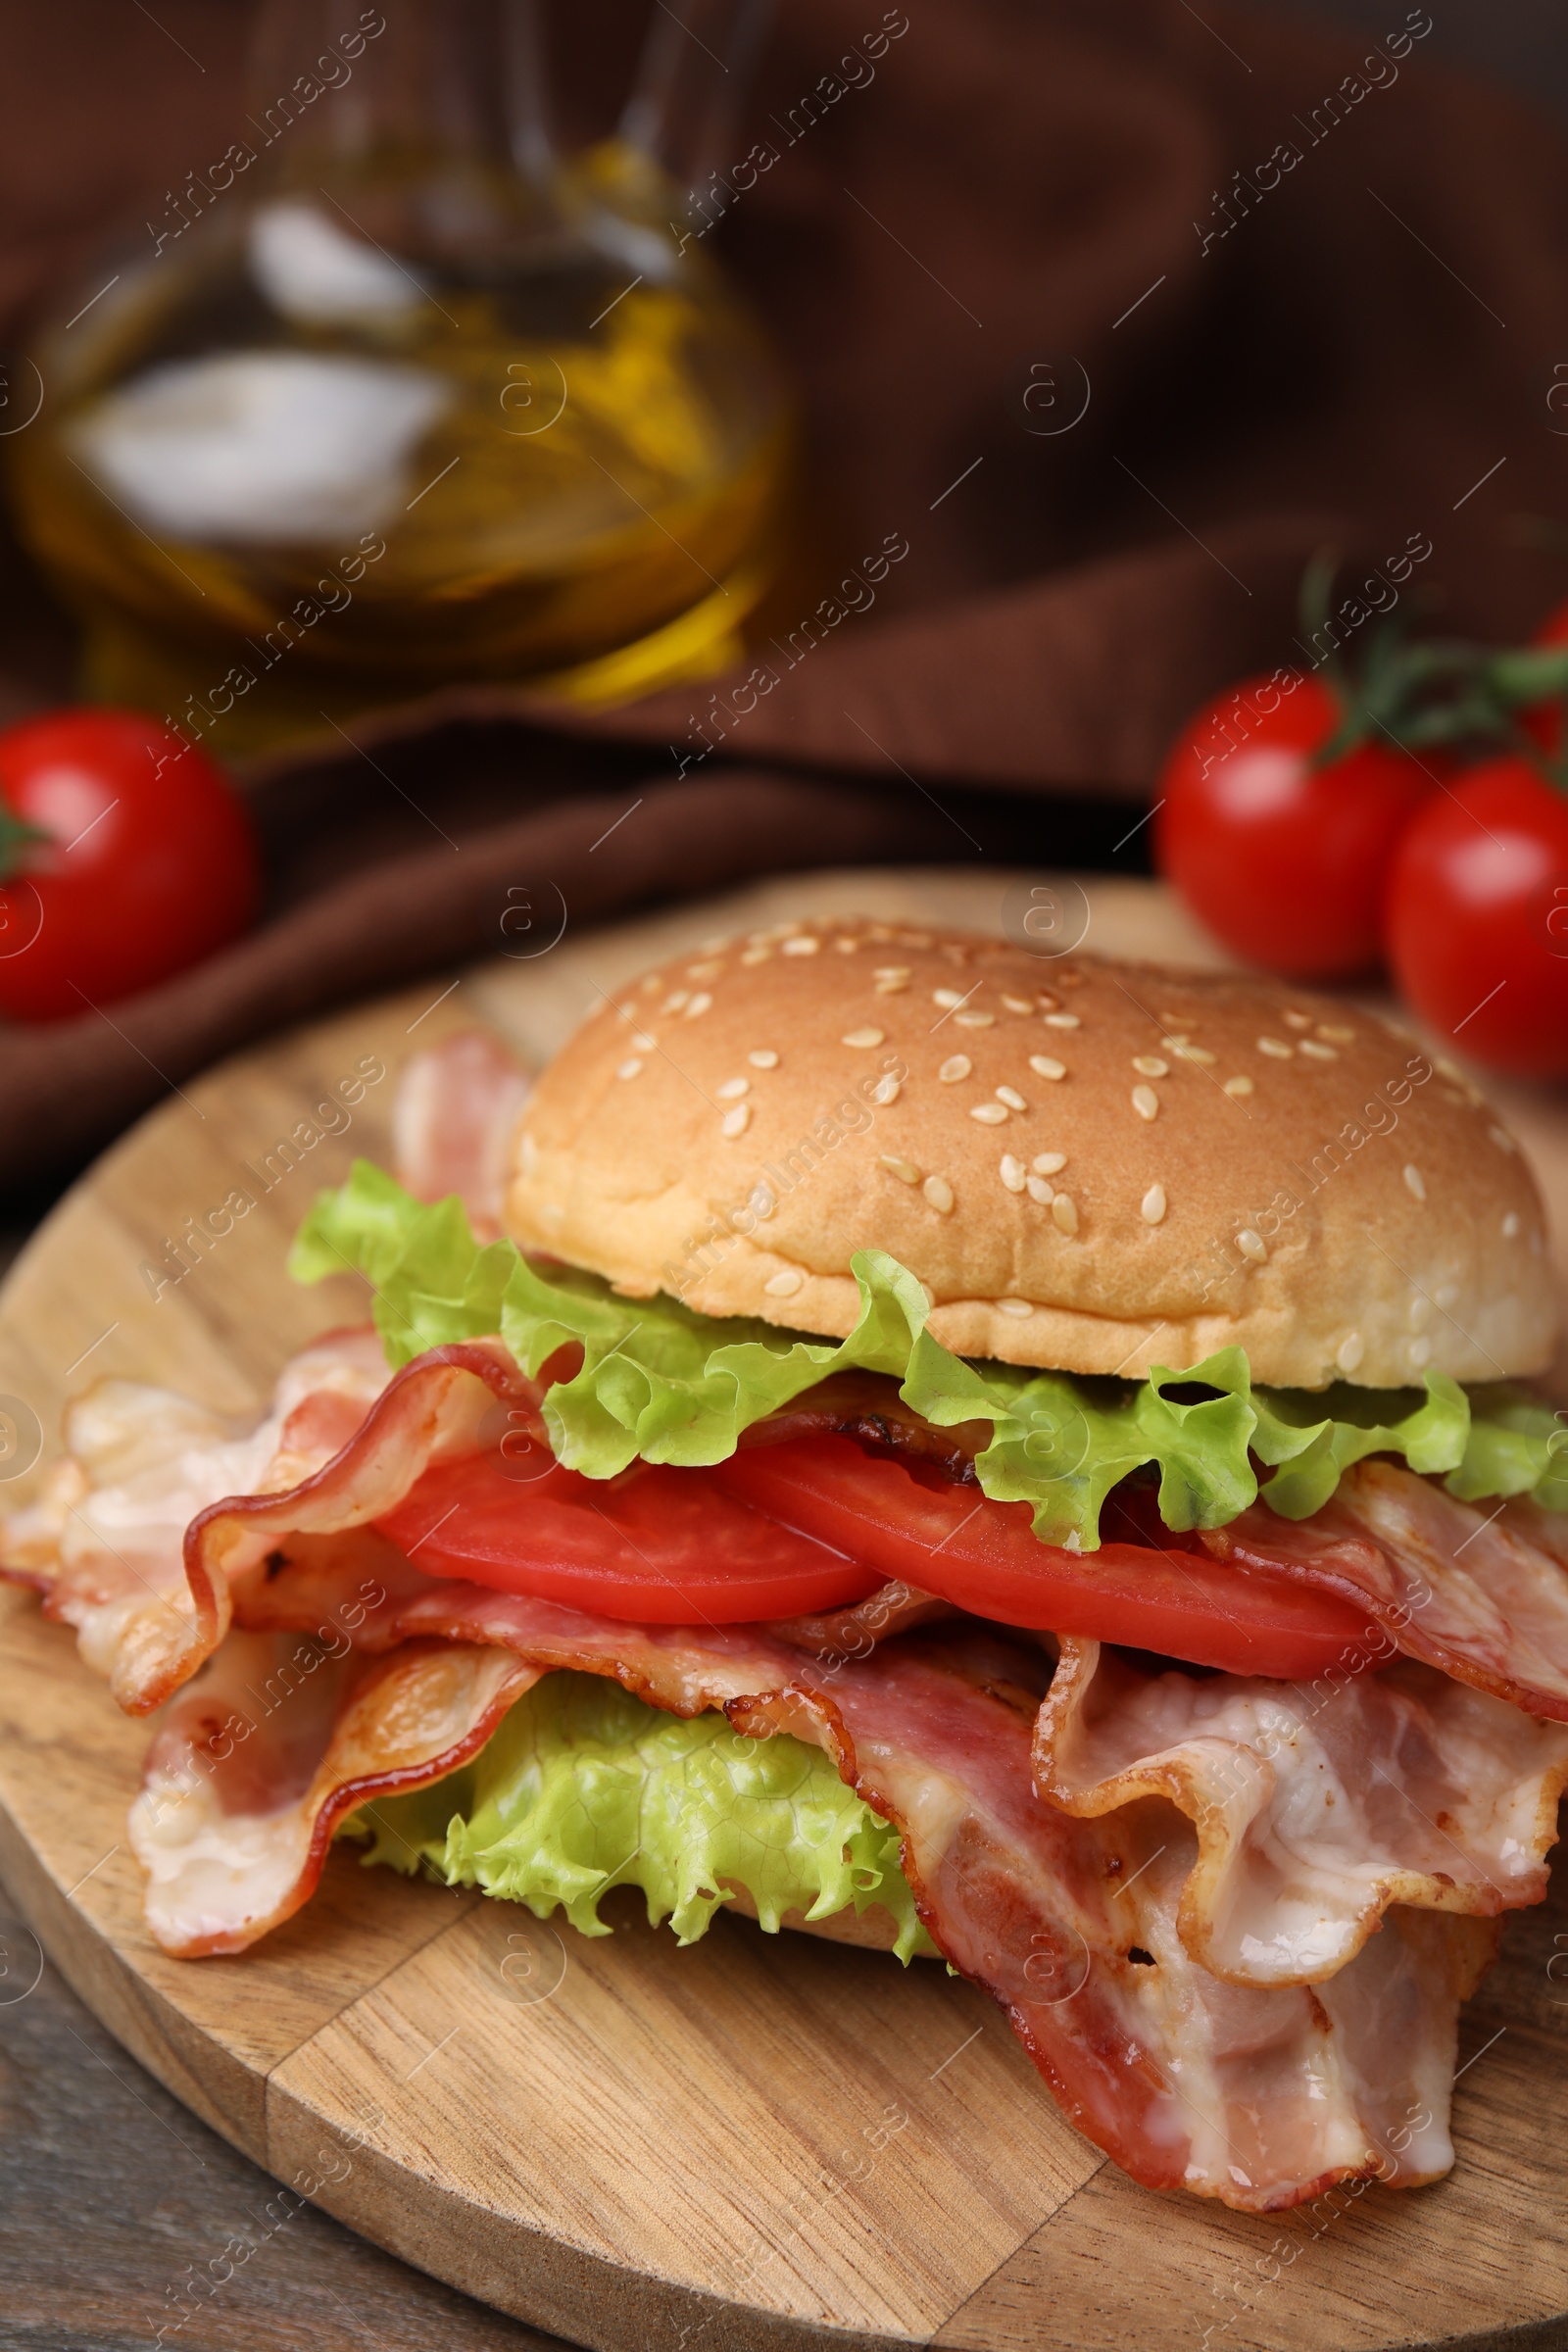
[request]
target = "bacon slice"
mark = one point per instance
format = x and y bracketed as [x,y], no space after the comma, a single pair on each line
[1260,2097]
[1315,1807]
[266,1752]
[105,1545]
[1485,1599]
[453,1117]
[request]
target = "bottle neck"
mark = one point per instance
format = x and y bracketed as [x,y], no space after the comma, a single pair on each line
[432,111]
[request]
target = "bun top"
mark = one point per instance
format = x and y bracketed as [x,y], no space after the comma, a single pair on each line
[1091,1166]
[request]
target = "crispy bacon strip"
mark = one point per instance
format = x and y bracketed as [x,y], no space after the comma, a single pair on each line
[1315,1806]
[1484,1600]
[453,1119]
[264,1753]
[105,1545]
[1258,2097]
[867,1406]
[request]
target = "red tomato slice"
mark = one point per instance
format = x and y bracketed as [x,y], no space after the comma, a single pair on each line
[985,1556]
[782,1531]
[655,1546]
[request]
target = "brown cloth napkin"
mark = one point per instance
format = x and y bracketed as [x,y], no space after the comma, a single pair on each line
[1008,211]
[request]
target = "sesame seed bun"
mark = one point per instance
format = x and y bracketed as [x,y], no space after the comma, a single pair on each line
[1092,1166]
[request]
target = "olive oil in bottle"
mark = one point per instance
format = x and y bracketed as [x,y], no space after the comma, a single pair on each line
[405,406]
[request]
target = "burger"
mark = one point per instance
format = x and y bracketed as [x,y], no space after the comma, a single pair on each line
[1025,1462]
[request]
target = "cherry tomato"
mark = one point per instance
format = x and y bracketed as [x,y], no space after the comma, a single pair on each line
[1477,917]
[1543,721]
[1286,862]
[141,860]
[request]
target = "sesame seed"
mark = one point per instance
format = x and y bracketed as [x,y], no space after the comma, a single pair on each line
[1251,1245]
[1015,1307]
[1043,1065]
[886,1090]
[1153,1209]
[1064,1214]
[862,1037]
[891,987]
[703,972]
[1149,1065]
[1415,1182]
[784,1285]
[1012,1172]
[679,1002]
[732,1088]
[947,998]
[1300,1021]
[1146,1102]
[1011,1097]
[698,1005]
[939,1192]
[1350,1352]
[756,955]
[1276,1048]
[1174,1043]
[957,1066]
[970,1019]
[1049,1163]
[806,945]
[1510,1226]
[1017,1003]
[1419,1353]
[1063,1020]
[1316,1053]
[900,1168]
[642,1043]
[846,943]
[631,1067]
[1047,1001]
[1239,1086]
[1199,1053]
[1039,1190]
[762,1058]
[1503,1138]
[1339,1036]
[735,1122]
[989,1114]
[891,972]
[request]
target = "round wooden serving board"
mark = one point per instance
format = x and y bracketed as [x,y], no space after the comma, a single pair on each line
[636,2147]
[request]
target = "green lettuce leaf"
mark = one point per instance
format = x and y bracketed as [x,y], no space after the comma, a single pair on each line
[661,1382]
[1517,1445]
[583,1787]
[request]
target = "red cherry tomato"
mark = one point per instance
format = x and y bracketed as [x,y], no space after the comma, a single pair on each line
[1286,862]
[147,861]
[1477,917]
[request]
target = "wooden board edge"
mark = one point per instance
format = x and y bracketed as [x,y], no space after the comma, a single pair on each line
[582,2296]
[156,2034]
